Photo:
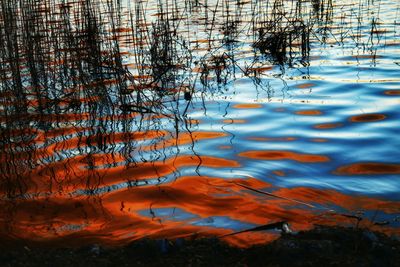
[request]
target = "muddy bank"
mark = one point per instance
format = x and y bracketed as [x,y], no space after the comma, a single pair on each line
[323,246]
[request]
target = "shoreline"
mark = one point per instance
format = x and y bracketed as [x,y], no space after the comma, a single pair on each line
[324,245]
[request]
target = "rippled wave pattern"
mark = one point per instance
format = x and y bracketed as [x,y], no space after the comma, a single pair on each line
[170,119]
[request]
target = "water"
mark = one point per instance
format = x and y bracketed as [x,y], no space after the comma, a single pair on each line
[317,132]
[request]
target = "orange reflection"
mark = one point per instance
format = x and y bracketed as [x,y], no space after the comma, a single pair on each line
[367,118]
[328,125]
[279,173]
[392,92]
[305,85]
[72,171]
[369,168]
[72,174]
[185,138]
[319,140]
[283,155]
[311,112]
[234,121]
[247,106]
[115,218]
[349,202]
[366,56]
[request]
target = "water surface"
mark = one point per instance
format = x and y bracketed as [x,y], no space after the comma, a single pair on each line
[316,130]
